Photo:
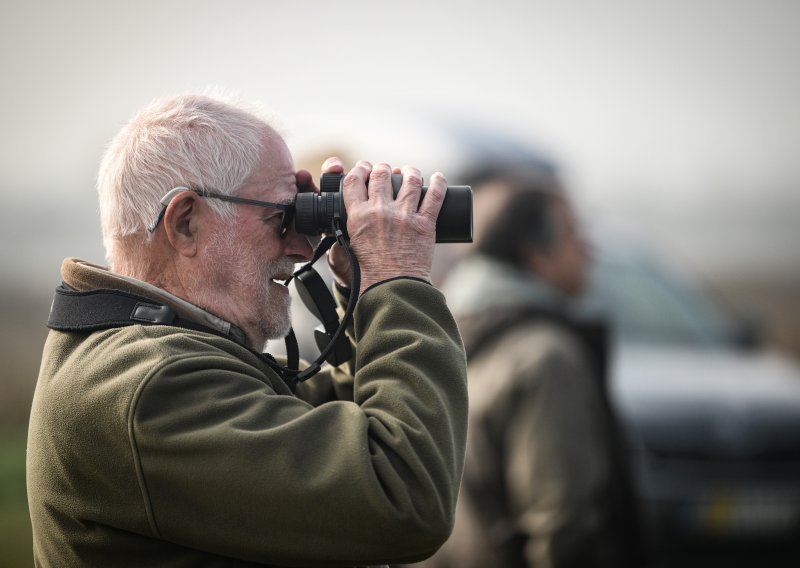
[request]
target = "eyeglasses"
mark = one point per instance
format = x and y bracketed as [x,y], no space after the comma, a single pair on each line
[286,209]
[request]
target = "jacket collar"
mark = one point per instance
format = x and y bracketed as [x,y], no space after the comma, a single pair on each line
[84,276]
[479,284]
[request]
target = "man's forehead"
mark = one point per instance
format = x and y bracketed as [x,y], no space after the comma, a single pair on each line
[277,186]
[274,176]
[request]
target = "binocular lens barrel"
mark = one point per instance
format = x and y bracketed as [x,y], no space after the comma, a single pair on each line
[315,213]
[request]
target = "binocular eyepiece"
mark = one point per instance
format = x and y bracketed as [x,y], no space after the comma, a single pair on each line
[315,213]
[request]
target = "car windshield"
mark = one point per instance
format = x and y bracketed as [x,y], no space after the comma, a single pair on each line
[650,304]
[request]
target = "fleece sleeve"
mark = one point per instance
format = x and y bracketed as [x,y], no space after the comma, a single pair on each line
[228,466]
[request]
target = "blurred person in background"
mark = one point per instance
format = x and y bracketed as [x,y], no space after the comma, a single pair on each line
[545,481]
[161,435]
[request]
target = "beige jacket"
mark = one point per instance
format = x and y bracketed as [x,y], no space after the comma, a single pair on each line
[539,481]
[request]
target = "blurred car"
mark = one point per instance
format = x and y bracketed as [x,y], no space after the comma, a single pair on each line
[712,419]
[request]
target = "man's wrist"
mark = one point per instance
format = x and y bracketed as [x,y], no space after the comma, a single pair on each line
[392,279]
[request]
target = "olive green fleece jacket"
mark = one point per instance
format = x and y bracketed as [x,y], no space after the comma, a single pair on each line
[161,446]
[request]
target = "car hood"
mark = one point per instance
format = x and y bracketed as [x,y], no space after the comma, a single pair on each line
[704,403]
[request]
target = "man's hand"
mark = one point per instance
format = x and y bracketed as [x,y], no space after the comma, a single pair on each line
[391,237]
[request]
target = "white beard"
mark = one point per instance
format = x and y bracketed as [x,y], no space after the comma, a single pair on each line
[250,277]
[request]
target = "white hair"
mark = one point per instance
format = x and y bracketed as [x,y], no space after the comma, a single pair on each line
[194,140]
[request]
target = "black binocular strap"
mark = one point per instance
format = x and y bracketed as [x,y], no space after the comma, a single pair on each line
[105,309]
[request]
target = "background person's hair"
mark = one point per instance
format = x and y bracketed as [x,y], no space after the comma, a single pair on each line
[522,217]
[193,140]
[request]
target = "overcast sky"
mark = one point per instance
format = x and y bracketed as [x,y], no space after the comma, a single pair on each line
[684,115]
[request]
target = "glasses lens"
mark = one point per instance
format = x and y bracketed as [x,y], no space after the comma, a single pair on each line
[286,221]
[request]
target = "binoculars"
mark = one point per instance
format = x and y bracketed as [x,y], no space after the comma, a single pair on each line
[316,213]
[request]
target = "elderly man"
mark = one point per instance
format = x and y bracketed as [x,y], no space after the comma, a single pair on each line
[161,435]
[545,483]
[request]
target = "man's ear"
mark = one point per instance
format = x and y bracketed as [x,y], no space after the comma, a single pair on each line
[181,222]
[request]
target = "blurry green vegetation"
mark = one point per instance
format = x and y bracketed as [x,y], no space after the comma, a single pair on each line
[22,334]
[15,527]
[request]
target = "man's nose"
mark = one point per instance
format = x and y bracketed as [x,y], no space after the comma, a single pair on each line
[298,246]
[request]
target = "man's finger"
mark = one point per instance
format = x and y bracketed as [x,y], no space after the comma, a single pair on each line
[380,182]
[434,197]
[332,165]
[354,186]
[411,188]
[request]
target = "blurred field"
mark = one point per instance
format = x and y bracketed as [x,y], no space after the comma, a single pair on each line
[22,334]
[15,528]
[773,305]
